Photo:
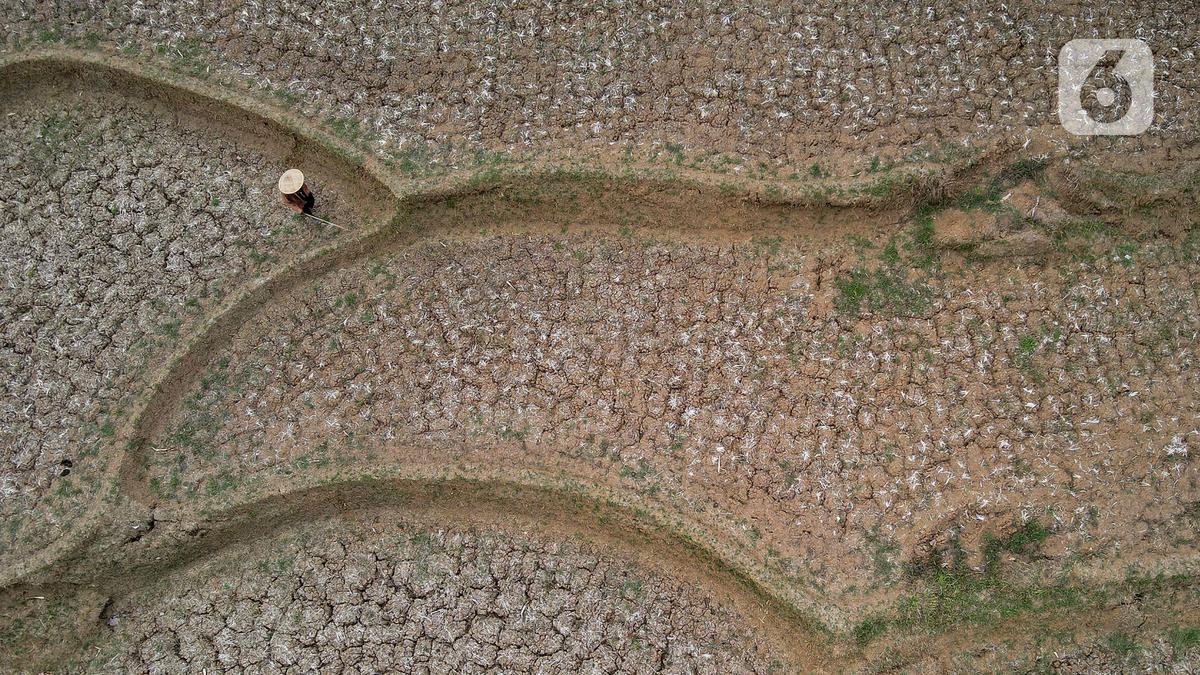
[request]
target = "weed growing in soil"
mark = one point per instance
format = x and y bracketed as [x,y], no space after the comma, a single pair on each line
[955,594]
[1181,639]
[1025,540]
[883,549]
[898,283]
[1121,643]
[1026,348]
[1027,168]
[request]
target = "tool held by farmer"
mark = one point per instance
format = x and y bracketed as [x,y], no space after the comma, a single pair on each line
[299,197]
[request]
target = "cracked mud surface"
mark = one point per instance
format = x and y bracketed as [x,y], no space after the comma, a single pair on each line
[905,437]
[371,596]
[122,230]
[724,374]
[765,82]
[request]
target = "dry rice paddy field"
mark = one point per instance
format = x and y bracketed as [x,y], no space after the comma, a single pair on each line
[641,337]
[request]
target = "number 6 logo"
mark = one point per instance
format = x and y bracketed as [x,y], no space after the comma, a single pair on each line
[1105,87]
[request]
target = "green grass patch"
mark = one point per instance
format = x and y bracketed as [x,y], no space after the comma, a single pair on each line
[884,291]
[1027,168]
[897,285]
[1023,358]
[953,594]
[1182,639]
[882,551]
[1121,643]
[1025,540]
[869,628]
[221,483]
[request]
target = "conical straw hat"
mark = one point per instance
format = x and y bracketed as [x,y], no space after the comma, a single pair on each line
[291,181]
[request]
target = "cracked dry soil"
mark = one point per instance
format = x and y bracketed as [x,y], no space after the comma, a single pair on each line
[123,230]
[371,595]
[434,83]
[960,439]
[724,375]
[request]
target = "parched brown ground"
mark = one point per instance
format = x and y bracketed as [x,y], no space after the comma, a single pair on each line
[375,595]
[123,230]
[828,86]
[726,377]
[956,437]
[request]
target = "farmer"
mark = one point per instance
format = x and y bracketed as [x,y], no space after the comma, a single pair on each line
[295,193]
